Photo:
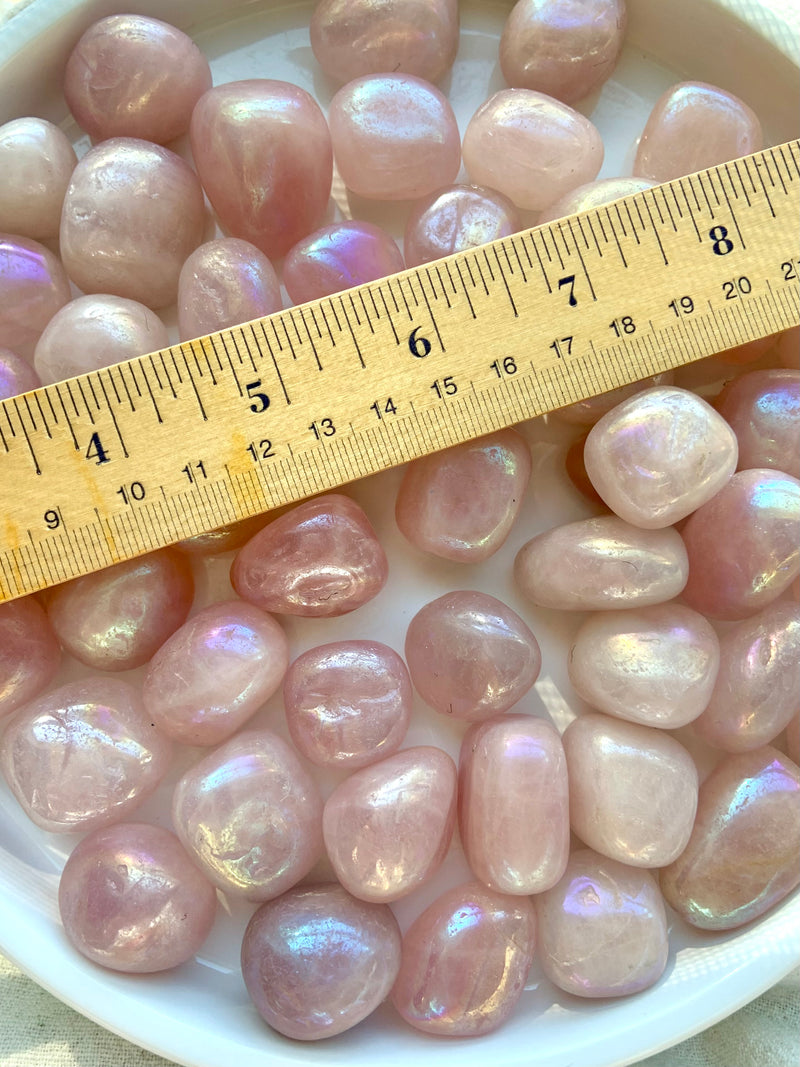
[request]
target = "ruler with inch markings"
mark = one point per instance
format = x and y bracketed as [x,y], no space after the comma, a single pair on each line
[127,459]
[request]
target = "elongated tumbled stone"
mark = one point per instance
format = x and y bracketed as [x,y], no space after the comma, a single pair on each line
[592,195]
[338,257]
[33,286]
[36,160]
[29,653]
[763,410]
[456,218]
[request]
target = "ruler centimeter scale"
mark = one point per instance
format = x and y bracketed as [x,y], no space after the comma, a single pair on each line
[130,458]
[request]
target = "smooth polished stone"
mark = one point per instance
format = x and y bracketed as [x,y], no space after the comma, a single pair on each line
[224,539]
[734,576]
[659,455]
[83,755]
[454,219]
[465,962]
[316,961]
[513,803]
[250,816]
[338,257]
[742,856]
[263,152]
[576,472]
[694,125]
[347,703]
[16,375]
[395,137]
[601,563]
[471,656]
[116,618]
[632,790]
[530,147]
[602,929]
[96,331]
[29,653]
[787,347]
[589,411]
[132,213]
[593,195]
[763,410]
[388,827]
[33,286]
[132,900]
[322,558]
[36,160]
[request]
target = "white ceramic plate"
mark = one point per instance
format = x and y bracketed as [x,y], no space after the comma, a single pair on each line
[200,1015]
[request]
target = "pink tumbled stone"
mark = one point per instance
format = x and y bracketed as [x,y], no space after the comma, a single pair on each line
[593,195]
[793,738]
[465,962]
[788,347]
[388,826]
[589,411]
[83,755]
[36,160]
[223,539]
[530,147]
[33,286]
[338,257]
[763,409]
[513,803]
[742,856]
[632,790]
[394,136]
[317,961]
[456,218]
[250,816]
[347,703]
[16,375]
[116,618]
[602,929]
[29,653]
[322,558]
[470,655]
[132,900]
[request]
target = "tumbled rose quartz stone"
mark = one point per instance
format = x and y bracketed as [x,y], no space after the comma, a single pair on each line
[322,558]
[394,136]
[263,152]
[36,160]
[338,257]
[787,347]
[215,672]
[744,545]
[224,539]
[388,826]
[632,789]
[116,618]
[593,195]
[347,703]
[29,653]
[33,286]
[693,126]
[530,147]
[465,962]
[742,856]
[763,409]
[16,375]
[83,755]
[461,503]
[471,656]
[132,900]
[602,929]
[456,218]
[132,214]
[317,961]
[589,411]
[513,803]
[250,815]
[601,563]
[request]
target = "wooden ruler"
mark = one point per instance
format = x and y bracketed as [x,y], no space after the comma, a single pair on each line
[127,459]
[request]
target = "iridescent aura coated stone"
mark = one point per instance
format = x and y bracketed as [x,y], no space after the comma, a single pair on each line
[456,218]
[36,160]
[16,375]
[592,195]
[338,257]
[29,653]
[763,409]
[33,286]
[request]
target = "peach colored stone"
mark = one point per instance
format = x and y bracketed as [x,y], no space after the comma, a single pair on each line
[337,257]
[763,409]
[29,653]
[33,286]
[36,160]
[456,218]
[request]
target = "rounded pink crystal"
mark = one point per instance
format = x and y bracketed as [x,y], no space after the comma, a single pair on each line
[593,195]
[338,257]
[33,286]
[763,409]
[36,160]
[16,375]
[29,653]
[456,218]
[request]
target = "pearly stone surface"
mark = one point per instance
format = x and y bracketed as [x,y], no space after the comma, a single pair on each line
[589,411]
[513,804]
[132,900]
[263,152]
[461,503]
[694,125]
[347,703]
[742,856]
[470,656]
[655,665]
[456,218]
[316,961]
[530,147]
[133,212]
[787,347]
[388,826]
[659,455]
[732,577]
[763,410]
[215,672]
[16,375]
[250,816]
[322,559]
[601,563]
[338,257]
[593,195]
[36,160]
[83,755]
[465,962]
[96,331]
[225,538]
[602,929]
[395,137]
[632,789]
[351,38]
[29,653]
[115,619]
[33,286]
